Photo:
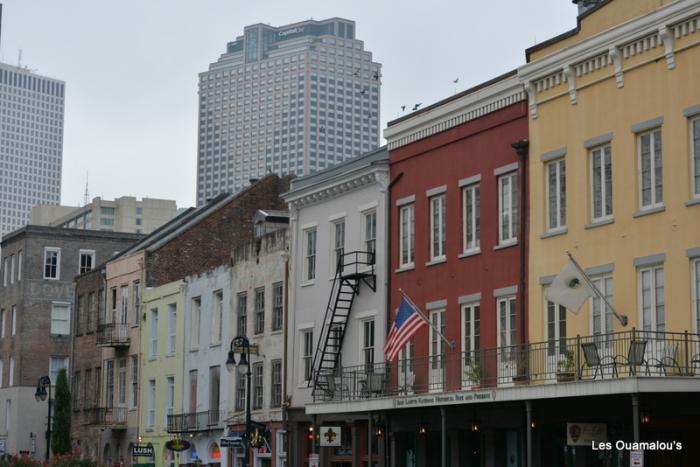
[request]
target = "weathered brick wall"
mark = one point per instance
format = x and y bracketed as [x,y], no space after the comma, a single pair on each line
[208,243]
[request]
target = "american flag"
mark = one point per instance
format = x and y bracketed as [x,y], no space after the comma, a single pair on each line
[407,322]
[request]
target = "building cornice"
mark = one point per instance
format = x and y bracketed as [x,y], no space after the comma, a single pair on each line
[455,111]
[337,186]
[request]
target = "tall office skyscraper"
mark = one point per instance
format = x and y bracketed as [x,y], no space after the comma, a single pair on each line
[291,99]
[31,144]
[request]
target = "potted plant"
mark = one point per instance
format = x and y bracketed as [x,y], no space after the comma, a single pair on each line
[565,367]
[473,373]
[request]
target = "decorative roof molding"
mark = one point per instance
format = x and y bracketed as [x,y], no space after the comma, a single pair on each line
[454,112]
[612,47]
[327,189]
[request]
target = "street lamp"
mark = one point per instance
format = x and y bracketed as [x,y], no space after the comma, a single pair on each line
[244,368]
[40,395]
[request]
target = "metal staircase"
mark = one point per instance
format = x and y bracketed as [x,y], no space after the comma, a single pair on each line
[352,270]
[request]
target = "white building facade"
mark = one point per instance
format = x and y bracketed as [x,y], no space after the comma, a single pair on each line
[338,216]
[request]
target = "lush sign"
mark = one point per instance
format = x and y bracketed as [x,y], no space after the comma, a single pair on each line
[142,451]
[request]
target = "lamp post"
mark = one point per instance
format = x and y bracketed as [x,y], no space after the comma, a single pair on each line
[40,395]
[244,368]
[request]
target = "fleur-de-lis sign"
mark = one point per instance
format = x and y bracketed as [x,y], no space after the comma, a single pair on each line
[330,435]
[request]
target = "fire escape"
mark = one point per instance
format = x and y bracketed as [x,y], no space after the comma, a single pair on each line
[352,270]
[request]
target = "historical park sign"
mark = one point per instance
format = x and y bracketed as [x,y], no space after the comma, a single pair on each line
[424,400]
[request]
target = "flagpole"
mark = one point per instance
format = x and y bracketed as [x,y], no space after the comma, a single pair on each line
[424,318]
[622,318]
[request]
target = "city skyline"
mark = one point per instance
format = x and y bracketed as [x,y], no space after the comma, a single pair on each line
[147,117]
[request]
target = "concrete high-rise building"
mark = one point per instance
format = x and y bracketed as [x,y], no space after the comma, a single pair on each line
[290,99]
[31,143]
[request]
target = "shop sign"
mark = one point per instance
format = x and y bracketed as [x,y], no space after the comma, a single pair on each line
[585,434]
[426,400]
[330,435]
[637,458]
[177,445]
[235,443]
[142,451]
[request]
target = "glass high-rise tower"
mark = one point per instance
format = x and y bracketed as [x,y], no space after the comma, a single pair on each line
[31,143]
[290,99]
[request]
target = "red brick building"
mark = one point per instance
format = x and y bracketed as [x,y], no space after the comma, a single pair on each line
[457,251]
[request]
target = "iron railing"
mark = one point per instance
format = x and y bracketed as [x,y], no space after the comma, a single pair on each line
[634,353]
[195,421]
[114,417]
[113,334]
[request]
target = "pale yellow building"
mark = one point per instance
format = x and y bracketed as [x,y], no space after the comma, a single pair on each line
[162,330]
[615,166]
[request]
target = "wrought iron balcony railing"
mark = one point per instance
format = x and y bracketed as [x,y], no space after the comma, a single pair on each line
[625,354]
[115,417]
[195,421]
[113,335]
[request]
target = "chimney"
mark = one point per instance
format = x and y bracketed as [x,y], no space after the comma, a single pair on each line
[585,5]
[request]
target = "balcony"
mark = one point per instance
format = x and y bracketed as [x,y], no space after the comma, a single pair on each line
[113,335]
[614,356]
[115,417]
[195,421]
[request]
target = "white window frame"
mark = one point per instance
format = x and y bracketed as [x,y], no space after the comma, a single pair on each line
[195,322]
[55,364]
[217,316]
[507,210]
[436,350]
[652,270]
[654,202]
[556,195]
[694,158]
[151,405]
[2,323]
[338,230]
[13,317]
[19,266]
[471,218]
[51,249]
[169,405]
[12,269]
[134,394]
[90,253]
[369,234]
[310,263]
[367,347]
[2,373]
[306,355]
[153,333]
[605,284]
[281,455]
[11,373]
[695,277]
[56,328]
[438,205]
[407,216]
[511,331]
[5,270]
[172,329]
[553,342]
[601,153]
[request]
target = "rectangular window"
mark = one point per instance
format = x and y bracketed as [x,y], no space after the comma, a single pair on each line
[556,328]
[471,331]
[12,269]
[601,315]
[87,389]
[134,396]
[437,350]
[52,263]
[307,354]
[60,319]
[193,391]
[90,316]
[556,194]
[507,208]
[11,372]
[5,271]
[276,388]
[310,254]
[172,323]
[696,293]
[98,385]
[2,323]
[652,298]
[438,221]
[75,389]
[151,415]
[79,314]
[259,310]
[277,305]
[122,382]
[109,379]
[8,414]
[242,313]
[694,167]
[406,236]
[601,183]
[368,344]
[650,169]
[2,373]
[87,261]
[240,391]
[14,319]
[506,321]
[471,221]
[136,286]
[338,245]
[217,316]
[153,347]
[257,386]
[19,266]
[123,306]
[214,388]
[169,398]
[370,234]
[195,320]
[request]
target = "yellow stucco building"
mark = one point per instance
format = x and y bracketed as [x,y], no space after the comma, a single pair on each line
[614,167]
[162,332]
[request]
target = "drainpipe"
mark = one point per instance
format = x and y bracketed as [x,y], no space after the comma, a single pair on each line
[521,148]
[285,404]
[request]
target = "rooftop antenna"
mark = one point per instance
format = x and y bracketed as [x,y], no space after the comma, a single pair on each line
[86,197]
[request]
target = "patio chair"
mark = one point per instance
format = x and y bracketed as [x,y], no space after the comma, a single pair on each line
[375,384]
[333,389]
[635,357]
[668,358]
[592,359]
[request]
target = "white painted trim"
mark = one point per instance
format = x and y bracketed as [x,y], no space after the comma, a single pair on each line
[305,326]
[308,225]
[504,169]
[438,190]
[469,180]
[368,206]
[363,315]
[336,216]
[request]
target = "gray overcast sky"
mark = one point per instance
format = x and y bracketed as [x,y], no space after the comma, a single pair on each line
[131,68]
